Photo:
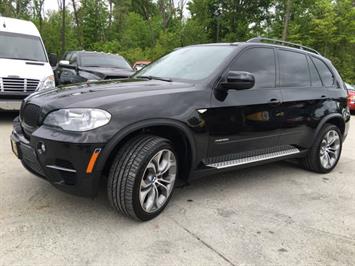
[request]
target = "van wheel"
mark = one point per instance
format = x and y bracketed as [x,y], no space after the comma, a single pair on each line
[325,152]
[142,177]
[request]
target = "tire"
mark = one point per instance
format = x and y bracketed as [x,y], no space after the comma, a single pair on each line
[134,171]
[313,161]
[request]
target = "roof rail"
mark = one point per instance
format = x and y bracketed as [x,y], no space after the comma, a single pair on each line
[284,43]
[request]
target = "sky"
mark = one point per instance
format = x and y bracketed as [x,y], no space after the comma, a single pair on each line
[50,5]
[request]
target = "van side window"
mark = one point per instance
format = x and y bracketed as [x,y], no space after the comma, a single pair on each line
[73,59]
[261,63]
[315,79]
[324,72]
[293,69]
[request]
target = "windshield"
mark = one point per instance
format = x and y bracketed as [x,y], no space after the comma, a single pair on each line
[190,63]
[104,60]
[21,47]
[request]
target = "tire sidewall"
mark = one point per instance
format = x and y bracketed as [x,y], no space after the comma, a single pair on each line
[138,210]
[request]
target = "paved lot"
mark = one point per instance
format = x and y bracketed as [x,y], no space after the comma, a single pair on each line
[268,215]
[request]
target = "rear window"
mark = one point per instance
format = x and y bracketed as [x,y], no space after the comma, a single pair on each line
[103,60]
[293,69]
[324,72]
[21,47]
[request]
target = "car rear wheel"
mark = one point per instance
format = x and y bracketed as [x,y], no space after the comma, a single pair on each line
[142,177]
[325,153]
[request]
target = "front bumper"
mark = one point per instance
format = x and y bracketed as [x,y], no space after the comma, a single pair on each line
[63,164]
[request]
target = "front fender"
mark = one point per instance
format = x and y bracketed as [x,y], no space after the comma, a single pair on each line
[123,133]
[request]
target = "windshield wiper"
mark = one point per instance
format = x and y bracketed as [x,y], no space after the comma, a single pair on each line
[155,77]
[19,58]
[93,66]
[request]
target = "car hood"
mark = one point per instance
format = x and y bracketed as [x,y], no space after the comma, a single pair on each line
[107,72]
[104,94]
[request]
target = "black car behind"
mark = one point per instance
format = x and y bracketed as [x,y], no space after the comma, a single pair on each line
[81,66]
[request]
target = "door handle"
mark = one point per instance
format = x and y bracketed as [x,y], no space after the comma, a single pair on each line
[275,101]
[323,96]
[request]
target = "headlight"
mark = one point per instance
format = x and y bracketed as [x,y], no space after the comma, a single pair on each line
[78,119]
[47,83]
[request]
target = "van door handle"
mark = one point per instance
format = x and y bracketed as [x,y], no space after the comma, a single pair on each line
[275,101]
[323,96]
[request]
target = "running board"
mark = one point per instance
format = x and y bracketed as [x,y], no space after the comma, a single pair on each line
[255,158]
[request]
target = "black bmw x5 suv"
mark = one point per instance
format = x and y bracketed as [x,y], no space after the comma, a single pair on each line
[198,110]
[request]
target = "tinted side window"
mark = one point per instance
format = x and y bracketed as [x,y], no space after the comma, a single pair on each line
[261,63]
[67,56]
[73,59]
[315,79]
[293,69]
[324,72]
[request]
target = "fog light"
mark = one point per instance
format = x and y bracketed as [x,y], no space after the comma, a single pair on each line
[41,147]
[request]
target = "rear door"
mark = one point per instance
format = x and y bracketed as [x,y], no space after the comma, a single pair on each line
[247,120]
[303,97]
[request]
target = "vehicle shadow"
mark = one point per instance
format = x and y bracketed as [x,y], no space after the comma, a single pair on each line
[8,116]
[240,179]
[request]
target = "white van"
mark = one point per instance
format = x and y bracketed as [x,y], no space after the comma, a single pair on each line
[24,64]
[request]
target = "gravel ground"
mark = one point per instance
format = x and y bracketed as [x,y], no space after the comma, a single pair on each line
[276,214]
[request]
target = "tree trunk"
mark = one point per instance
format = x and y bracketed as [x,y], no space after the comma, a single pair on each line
[18,8]
[63,29]
[110,14]
[77,22]
[40,15]
[287,17]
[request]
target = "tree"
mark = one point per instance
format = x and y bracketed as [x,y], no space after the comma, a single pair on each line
[147,29]
[94,22]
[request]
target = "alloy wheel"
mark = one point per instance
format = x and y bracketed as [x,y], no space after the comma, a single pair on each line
[158,181]
[329,149]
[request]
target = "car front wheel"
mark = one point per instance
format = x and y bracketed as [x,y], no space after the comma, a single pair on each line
[142,177]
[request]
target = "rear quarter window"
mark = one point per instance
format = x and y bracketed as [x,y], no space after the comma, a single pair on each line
[324,72]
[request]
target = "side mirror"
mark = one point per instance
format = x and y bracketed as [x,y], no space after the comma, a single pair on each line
[52,59]
[238,80]
[64,63]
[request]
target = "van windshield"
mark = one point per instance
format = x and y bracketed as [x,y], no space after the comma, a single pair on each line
[21,47]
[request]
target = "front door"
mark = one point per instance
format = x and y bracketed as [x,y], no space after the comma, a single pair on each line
[247,120]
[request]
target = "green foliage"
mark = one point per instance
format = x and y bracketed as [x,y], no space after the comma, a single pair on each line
[94,16]
[148,29]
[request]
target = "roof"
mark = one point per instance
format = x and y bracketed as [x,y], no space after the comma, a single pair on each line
[266,42]
[90,52]
[18,26]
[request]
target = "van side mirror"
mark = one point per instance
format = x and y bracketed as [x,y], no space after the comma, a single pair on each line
[52,59]
[64,63]
[239,80]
